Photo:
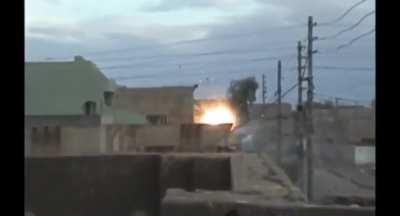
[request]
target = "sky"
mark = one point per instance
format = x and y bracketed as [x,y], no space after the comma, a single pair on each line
[208,42]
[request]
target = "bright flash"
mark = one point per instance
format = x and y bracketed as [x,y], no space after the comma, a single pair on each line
[218,115]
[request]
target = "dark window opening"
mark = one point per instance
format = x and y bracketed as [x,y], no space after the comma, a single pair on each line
[108,97]
[90,108]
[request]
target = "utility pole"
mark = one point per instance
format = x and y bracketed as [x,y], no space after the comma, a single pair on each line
[279,143]
[300,74]
[310,95]
[300,116]
[264,89]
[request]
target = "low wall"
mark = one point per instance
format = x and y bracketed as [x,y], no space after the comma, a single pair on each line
[82,140]
[203,137]
[93,185]
[192,172]
[161,135]
[117,184]
[195,207]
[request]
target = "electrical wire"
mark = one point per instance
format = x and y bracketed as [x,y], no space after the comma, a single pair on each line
[343,15]
[113,67]
[199,54]
[355,39]
[183,42]
[349,28]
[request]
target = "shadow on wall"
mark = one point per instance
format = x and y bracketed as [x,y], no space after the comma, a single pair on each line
[116,184]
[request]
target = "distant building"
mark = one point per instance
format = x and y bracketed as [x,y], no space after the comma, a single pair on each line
[165,108]
[160,105]
[269,111]
[68,108]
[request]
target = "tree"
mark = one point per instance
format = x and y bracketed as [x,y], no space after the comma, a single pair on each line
[242,93]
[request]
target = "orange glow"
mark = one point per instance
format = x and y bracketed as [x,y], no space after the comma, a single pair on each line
[220,114]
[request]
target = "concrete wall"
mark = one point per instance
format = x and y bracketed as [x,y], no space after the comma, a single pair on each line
[195,207]
[121,138]
[35,142]
[117,184]
[161,135]
[203,137]
[174,102]
[96,185]
[45,141]
[357,122]
[69,141]
[196,171]
[82,140]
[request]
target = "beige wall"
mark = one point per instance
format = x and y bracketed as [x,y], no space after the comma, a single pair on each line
[167,135]
[45,143]
[202,137]
[121,138]
[357,123]
[82,140]
[174,102]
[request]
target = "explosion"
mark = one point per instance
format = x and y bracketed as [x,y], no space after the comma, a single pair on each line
[217,113]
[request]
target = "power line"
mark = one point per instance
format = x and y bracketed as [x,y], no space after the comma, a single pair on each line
[182,42]
[216,52]
[344,14]
[286,92]
[345,68]
[113,67]
[356,39]
[341,98]
[349,28]
[158,75]
[289,90]
[326,67]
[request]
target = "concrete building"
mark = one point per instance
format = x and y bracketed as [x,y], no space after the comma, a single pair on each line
[68,109]
[170,112]
[268,111]
[165,108]
[160,105]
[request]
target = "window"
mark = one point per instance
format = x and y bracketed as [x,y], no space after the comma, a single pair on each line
[157,119]
[90,108]
[108,97]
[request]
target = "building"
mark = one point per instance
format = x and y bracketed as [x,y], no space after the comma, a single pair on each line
[172,126]
[160,105]
[269,111]
[68,109]
[165,108]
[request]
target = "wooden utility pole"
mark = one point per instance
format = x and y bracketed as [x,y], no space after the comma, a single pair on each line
[299,75]
[279,143]
[264,89]
[310,96]
[300,117]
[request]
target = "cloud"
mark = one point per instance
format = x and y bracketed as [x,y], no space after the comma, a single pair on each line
[54,2]
[170,5]
[271,30]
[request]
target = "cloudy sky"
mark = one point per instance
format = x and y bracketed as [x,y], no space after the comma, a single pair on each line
[211,42]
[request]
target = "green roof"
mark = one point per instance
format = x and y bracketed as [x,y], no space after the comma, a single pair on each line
[61,88]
